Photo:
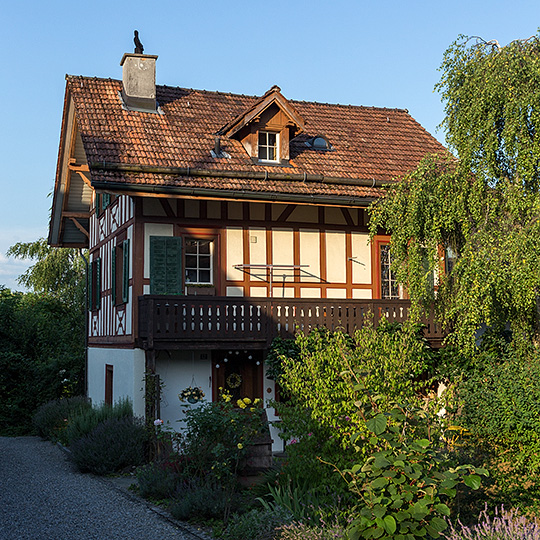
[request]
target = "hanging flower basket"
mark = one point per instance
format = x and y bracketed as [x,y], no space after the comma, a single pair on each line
[191,394]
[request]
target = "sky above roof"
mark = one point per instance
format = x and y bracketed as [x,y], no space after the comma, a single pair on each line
[383,54]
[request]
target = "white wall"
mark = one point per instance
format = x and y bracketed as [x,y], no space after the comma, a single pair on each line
[128,374]
[177,371]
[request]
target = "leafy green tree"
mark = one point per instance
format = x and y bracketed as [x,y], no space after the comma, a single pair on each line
[59,272]
[41,356]
[481,206]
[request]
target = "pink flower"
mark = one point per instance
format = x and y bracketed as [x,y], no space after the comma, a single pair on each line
[158,422]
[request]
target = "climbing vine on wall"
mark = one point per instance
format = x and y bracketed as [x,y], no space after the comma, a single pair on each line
[481,205]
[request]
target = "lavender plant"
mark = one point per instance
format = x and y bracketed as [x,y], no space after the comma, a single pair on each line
[505,525]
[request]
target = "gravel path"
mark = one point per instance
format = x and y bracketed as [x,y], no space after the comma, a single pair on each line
[42,497]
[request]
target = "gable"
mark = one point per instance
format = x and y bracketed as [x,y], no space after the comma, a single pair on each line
[73,194]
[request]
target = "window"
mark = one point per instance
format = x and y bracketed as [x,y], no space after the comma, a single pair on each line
[389,286]
[319,143]
[199,267]
[120,273]
[94,285]
[268,146]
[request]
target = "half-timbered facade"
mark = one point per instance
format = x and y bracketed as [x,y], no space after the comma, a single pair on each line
[216,222]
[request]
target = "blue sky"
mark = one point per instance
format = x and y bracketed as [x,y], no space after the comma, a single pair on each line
[376,53]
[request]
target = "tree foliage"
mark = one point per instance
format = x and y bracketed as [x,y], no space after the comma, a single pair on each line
[41,356]
[482,205]
[59,272]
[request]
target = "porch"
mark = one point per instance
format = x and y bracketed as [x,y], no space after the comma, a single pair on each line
[199,322]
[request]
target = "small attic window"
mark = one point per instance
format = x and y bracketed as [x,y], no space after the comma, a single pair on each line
[268,146]
[319,143]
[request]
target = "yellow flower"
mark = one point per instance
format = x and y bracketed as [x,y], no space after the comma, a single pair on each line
[253,409]
[241,404]
[247,401]
[257,401]
[240,446]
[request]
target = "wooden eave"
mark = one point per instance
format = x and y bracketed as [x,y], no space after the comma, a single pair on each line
[62,211]
[273,96]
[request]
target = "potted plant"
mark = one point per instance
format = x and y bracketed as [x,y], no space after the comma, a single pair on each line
[191,394]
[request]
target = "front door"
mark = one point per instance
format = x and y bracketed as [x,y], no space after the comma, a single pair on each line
[239,372]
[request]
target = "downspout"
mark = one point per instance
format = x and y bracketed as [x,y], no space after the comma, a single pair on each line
[85,323]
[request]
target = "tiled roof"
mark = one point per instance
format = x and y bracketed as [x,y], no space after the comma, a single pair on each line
[368,143]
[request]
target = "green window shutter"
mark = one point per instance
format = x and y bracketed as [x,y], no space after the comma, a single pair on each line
[165,265]
[125,271]
[106,200]
[98,202]
[113,274]
[98,283]
[90,290]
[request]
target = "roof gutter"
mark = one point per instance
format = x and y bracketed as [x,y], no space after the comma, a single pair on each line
[264,175]
[233,194]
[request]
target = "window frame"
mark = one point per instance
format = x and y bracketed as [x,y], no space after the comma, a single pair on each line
[198,269]
[267,146]
[393,285]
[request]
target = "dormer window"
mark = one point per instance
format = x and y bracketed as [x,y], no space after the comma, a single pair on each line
[268,146]
[319,143]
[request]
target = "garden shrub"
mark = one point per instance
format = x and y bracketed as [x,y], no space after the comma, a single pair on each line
[497,399]
[80,425]
[156,481]
[200,500]
[303,531]
[51,418]
[256,524]
[318,414]
[505,525]
[41,356]
[406,482]
[114,444]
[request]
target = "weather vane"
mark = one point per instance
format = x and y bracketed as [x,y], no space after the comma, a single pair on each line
[138,45]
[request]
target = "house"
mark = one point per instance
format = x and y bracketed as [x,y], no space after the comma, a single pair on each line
[215,222]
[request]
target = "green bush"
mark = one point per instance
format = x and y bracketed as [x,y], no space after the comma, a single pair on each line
[303,531]
[51,419]
[256,524]
[113,445]
[318,415]
[200,500]
[80,425]
[156,481]
[41,356]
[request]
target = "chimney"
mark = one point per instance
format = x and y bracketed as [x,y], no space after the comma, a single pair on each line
[139,82]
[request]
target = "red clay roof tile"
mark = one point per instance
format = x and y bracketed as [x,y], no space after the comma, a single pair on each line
[368,143]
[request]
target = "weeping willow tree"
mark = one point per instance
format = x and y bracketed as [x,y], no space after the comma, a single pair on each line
[480,204]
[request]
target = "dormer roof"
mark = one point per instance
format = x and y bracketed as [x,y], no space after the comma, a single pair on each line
[272,96]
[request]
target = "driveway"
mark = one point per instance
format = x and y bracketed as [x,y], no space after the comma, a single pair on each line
[43,497]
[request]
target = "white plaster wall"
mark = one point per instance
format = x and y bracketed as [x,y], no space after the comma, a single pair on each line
[310,255]
[336,264]
[282,247]
[153,229]
[310,293]
[362,293]
[361,254]
[234,252]
[336,293]
[128,374]
[178,371]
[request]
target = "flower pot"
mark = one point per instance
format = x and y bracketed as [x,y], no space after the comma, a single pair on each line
[192,400]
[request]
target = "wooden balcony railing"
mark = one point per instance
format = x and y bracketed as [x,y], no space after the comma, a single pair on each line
[214,322]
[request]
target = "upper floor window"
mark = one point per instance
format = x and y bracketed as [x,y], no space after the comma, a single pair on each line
[268,146]
[389,285]
[198,255]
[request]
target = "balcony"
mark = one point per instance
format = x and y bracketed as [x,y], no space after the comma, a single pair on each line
[199,322]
